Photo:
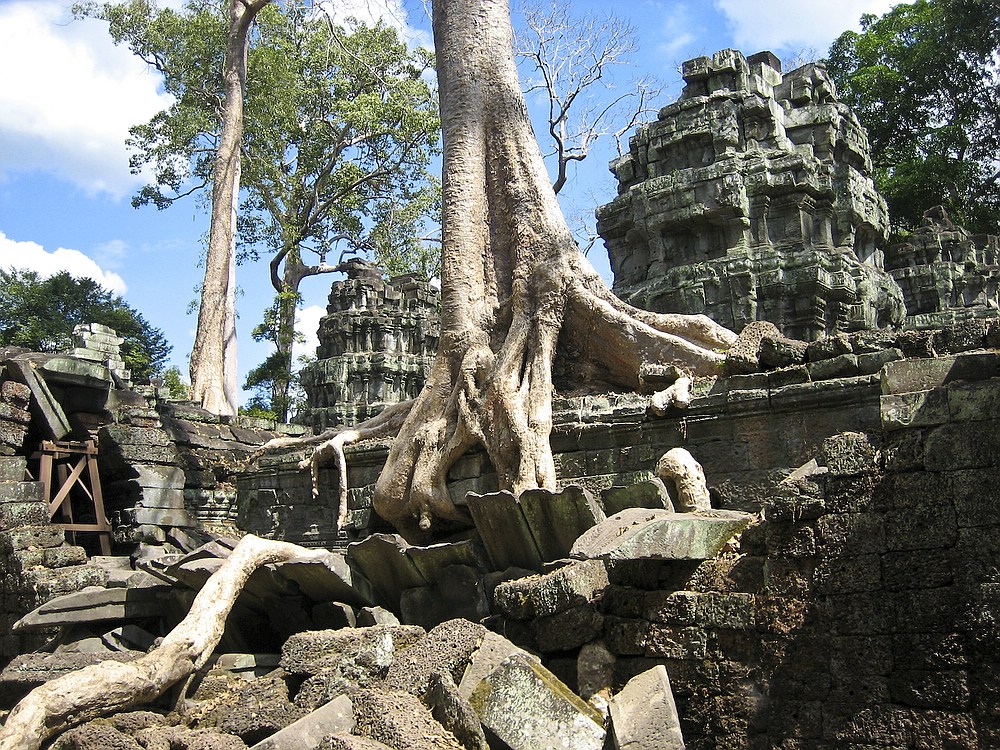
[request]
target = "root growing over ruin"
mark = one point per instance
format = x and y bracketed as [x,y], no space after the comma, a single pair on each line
[112,686]
[516,291]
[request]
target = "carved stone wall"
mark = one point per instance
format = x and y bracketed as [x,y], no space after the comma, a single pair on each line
[377,344]
[751,198]
[946,273]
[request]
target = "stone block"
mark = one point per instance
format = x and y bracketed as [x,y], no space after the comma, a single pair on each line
[962,445]
[668,642]
[399,720]
[12,469]
[898,411]
[336,717]
[731,611]
[908,375]
[492,650]
[557,519]
[743,356]
[13,515]
[313,651]
[567,630]
[946,690]
[328,578]
[436,559]
[459,592]
[849,453]
[382,559]
[644,715]
[526,707]
[504,531]
[24,537]
[449,648]
[842,366]
[974,401]
[21,492]
[670,607]
[649,494]
[542,595]
[660,535]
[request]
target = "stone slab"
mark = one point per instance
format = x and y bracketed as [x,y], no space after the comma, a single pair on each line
[649,494]
[638,534]
[330,578]
[527,707]
[335,717]
[93,604]
[504,531]
[909,375]
[431,560]
[382,559]
[557,519]
[644,716]
[492,651]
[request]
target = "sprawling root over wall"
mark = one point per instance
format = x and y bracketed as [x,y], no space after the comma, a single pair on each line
[115,686]
[514,288]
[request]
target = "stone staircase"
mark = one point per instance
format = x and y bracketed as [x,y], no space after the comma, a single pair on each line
[36,562]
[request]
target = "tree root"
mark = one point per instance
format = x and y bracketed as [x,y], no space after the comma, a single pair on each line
[112,686]
[678,467]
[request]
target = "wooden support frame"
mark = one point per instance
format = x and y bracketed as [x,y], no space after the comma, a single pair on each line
[63,466]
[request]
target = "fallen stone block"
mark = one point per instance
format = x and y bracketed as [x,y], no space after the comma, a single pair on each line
[431,560]
[458,593]
[336,717]
[504,531]
[637,534]
[95,604]
[454,712]
[557,519]
[401,721]
[368,616]
[382,559]
[313,651]
[350,742]
[649,494]
[527,708]
[544,595]
[446,649]
[643,714]
[493,649]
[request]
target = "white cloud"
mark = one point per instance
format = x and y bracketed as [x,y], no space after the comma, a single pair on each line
[69,96]
[675,31]
[790,24]
[31,256]
[307,324]
[369,12]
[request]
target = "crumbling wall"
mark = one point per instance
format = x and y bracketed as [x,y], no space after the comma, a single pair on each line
[859,611]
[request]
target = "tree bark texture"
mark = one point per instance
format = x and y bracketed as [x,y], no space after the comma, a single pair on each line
[115,686]
[213,356]
[515,289]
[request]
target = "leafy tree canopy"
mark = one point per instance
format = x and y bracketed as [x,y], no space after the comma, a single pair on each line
[40,314]
[924,79]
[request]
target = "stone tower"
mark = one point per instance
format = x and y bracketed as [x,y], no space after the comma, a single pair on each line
[751,198]
[377,343]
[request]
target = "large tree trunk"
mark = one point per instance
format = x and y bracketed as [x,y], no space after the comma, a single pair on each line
[115,686]
[213,356]
[514,288]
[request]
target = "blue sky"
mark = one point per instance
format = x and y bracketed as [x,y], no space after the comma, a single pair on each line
[68,97]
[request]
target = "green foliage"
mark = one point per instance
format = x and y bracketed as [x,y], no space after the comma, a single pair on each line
[924,79]
[175,383]
[340,125]
[40,314]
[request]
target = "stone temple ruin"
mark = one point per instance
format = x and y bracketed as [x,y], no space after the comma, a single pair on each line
[751,198]
[840,592]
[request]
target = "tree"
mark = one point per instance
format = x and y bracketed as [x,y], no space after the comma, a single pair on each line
[924,79]
[213,356]
[40,314]
[340,127]
[521,307]
[573,58]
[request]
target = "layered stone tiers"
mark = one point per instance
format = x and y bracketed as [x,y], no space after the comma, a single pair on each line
[751,198]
